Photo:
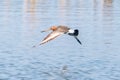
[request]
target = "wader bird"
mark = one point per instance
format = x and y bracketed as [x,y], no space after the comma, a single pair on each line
[59,30]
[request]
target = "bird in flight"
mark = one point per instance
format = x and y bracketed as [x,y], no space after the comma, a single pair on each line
[59,30]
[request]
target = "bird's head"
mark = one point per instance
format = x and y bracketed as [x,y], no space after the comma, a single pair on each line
[53,28]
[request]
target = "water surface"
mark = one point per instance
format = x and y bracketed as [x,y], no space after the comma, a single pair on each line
[63,58]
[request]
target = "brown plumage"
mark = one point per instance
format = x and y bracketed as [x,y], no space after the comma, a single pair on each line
[57,31]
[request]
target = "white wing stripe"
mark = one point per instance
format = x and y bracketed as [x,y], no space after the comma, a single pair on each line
[51,36]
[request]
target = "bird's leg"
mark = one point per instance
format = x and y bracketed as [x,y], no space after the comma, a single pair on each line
[77,40]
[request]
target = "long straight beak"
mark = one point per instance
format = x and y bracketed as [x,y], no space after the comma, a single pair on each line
[45,30]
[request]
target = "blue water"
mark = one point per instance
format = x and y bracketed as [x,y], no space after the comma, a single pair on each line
[98,58]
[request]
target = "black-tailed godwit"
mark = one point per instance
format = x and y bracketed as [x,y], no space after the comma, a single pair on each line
[59,30]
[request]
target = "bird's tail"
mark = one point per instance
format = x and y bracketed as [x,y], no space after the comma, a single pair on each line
[77,39]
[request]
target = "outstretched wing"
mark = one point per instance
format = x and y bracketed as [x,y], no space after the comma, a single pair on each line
[77,39]
[51,36]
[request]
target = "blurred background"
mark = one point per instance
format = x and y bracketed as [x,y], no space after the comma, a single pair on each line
[63,58]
